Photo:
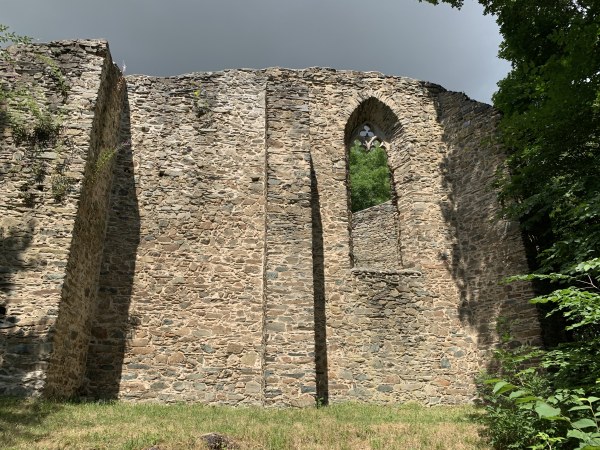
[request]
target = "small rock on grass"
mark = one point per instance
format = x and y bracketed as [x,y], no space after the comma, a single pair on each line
[216,441]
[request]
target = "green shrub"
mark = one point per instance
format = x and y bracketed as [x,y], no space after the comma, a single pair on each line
[563,420]
[507,425]
[549,399]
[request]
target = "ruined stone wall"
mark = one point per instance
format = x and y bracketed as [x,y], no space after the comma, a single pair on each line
[64,115]
[180,309]
[73,327]
[405,112]
[375,237]
[224,266]
[289,361]
[486,248]
[397,347]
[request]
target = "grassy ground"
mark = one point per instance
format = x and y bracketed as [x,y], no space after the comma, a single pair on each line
[26,424]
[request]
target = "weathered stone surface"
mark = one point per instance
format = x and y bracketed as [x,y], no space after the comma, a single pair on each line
[52,249]
[206,251]
[375,237]
[216,441]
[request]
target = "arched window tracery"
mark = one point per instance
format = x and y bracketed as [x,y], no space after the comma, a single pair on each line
[370,136]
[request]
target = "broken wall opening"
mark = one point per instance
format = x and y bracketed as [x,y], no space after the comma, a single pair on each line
[370,135]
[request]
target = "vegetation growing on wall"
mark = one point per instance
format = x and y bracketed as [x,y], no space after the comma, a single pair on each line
[201,105]
[7,36]
[36,123]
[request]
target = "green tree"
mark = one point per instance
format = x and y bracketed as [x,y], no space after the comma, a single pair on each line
[550,102]
[369,176]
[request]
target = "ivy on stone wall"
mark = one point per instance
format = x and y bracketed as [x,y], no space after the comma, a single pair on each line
[35,122]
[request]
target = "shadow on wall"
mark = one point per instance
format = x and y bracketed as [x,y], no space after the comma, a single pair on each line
[20,348]
[112,320]
[15,238]
[485,248]
[319,293]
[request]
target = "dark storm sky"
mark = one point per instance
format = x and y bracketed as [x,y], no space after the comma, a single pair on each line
[456,49]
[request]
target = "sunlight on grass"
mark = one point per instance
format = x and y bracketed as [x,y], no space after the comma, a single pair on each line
[28,424]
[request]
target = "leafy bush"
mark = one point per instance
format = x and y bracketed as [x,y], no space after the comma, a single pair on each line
[507,425]
[549,399]
[574,364]
[564,419]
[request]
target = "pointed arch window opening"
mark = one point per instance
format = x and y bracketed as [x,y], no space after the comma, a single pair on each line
[364,133]
[369,175]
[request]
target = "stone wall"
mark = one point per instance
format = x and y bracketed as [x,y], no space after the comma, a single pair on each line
[69,106]
[289,339]
[73,326]
[223,267]
[181,289]
[398,346]
[375,237]
[485,248]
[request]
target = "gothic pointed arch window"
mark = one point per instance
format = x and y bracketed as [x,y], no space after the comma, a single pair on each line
[370,181]
[373,134]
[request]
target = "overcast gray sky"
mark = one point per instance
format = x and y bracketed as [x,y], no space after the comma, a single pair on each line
[456,49]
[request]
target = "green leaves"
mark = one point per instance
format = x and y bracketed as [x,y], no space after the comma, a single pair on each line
[580,305]
[582,419]
[454,3]
[369,177]
[11,37]
[588,266]
[584,423]
[551,125]
[545,411]
[502,386]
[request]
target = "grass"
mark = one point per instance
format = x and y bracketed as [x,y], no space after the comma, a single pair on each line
[29,424]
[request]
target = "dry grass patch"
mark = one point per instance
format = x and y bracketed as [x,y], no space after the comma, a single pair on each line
[27,424]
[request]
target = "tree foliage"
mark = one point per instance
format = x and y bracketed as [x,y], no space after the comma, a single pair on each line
[551,106]
[369,176]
